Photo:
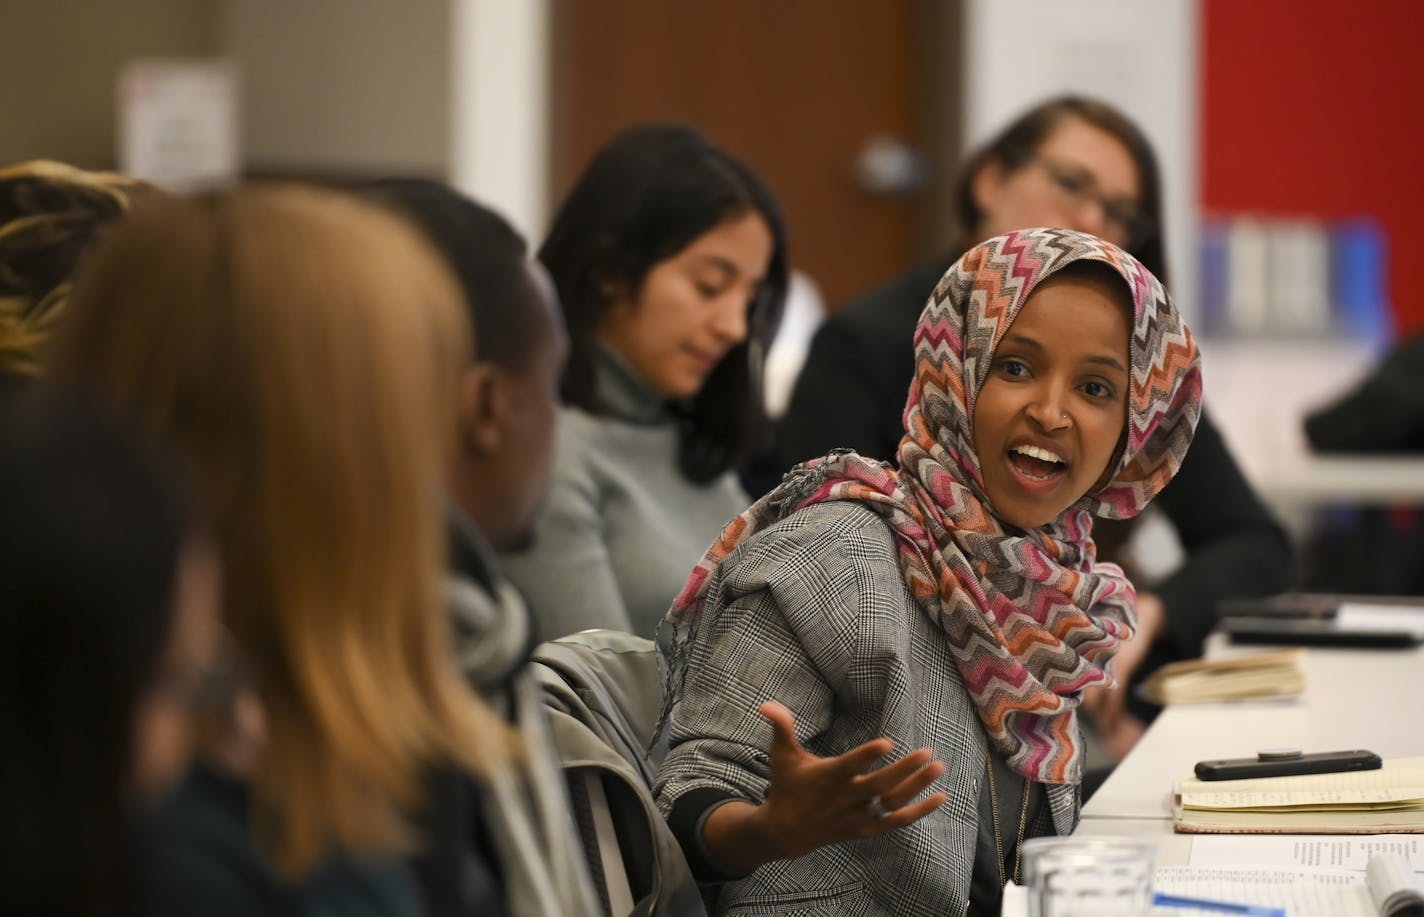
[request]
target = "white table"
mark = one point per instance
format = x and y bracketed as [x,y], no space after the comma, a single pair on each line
[1307,480]
[1354,699]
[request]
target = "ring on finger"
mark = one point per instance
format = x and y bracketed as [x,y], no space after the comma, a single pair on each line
[876,808]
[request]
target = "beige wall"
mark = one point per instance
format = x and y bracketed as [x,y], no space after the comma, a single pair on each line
[338,87]
[60,64]
[454,89]
[343,87]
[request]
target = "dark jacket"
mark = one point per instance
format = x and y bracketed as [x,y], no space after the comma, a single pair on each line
[207,862]
[1384,413]
[852,392]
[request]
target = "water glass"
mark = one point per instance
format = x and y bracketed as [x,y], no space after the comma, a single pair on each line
[1088,876]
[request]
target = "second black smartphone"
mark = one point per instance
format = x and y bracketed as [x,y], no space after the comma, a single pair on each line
[1286,764]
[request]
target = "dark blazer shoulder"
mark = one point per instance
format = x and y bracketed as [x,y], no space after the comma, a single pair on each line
[893,308]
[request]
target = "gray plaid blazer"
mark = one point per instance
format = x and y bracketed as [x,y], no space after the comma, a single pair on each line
[814,612]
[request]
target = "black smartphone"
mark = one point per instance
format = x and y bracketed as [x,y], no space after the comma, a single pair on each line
[1283,605]
[1287,763]
[1314,632]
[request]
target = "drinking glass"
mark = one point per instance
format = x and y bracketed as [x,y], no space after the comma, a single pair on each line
[1088,876]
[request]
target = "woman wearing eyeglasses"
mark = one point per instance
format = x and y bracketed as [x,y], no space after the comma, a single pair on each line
[1075,163]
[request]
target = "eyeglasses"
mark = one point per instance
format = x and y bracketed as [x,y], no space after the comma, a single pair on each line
[1078,187]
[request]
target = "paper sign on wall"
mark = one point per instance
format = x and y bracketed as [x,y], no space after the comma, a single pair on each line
[179,122]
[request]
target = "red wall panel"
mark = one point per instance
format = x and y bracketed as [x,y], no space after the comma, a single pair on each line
[1317,107]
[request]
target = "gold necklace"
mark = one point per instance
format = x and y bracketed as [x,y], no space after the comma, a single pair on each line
[994,813]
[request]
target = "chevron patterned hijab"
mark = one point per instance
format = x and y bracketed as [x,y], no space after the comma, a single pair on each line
[1030,617]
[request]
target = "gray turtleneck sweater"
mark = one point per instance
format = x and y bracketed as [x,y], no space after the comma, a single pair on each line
[621,528]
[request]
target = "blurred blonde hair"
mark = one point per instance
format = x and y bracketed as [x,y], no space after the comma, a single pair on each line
[300,351]
[49,215]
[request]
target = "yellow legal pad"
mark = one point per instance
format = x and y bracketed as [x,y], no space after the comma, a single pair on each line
[1256,676]
[1389,800]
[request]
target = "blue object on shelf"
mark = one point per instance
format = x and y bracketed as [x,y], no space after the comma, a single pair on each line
[1357,279]
[1214,278]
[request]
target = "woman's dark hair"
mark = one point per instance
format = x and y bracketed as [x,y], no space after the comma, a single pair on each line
[1016,145]
[1103,273]
[647,195]
[90,534]
[489,258]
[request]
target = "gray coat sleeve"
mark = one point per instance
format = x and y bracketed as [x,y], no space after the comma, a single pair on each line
[814,613]
[793,616]
[747,654]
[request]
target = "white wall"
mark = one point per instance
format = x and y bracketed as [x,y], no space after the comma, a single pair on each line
[356,87]
[1140,55]
[500,108]
[452,89]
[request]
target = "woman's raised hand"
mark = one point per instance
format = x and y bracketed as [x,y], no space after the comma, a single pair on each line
[813,801]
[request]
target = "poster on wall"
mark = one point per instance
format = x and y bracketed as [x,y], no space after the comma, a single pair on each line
[179,122]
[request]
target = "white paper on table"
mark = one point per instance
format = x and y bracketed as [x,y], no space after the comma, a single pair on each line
[1300,892]
[1351,616]
[1309,851]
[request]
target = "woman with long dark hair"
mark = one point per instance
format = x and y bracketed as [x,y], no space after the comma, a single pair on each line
[669,256]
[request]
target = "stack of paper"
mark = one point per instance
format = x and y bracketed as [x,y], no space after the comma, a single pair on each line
[1305,875]
[1385,801]
[1387,888]
[1277,673]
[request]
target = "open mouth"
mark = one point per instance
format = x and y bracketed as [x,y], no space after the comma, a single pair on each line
[1036,463]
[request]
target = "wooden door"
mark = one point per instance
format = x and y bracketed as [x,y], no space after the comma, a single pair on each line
[796,88]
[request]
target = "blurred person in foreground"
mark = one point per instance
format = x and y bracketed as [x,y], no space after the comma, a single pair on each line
[669,257]
[299,351]
[1080,164]
[108,623]
[505,422]
[50,215]
[583,702]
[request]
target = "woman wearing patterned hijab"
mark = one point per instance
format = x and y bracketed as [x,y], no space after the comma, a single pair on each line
[946,616]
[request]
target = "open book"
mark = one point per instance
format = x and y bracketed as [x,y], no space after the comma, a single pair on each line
[1385,801]
[1275,673]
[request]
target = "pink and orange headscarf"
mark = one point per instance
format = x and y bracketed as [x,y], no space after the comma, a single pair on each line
[1030,618]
